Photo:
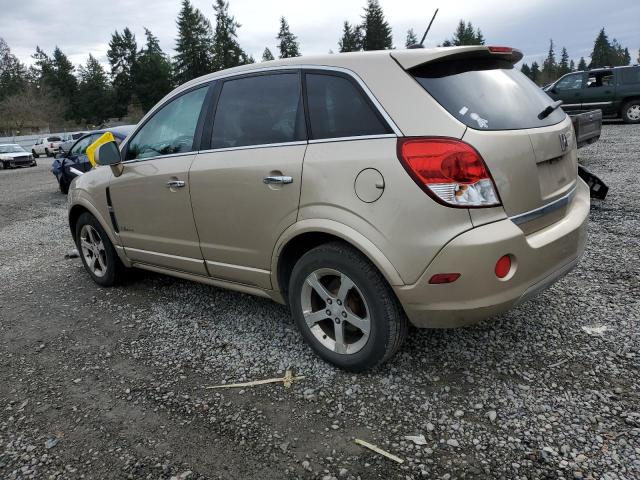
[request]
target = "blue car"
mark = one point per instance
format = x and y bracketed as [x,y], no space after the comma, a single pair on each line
[76,162]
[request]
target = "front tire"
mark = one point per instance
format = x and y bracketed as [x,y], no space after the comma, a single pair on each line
[344,308]
[631,111]
[47,152]
[35,155]
[64,185]
[98,255]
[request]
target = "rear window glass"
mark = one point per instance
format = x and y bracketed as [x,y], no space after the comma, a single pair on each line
[486,93]
[337,109]
[630,75]
[54,139]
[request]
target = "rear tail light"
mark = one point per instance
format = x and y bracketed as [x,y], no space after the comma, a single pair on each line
[503,266]
[444,278]
[450,171]
[501,49]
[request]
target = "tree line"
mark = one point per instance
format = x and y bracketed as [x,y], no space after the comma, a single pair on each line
[53,91]
[605,53]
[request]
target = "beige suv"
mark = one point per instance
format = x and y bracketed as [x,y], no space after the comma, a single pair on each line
[365,190]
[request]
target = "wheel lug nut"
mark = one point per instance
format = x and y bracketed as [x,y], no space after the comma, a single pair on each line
[328,312]
[337,320]
[338,302]
[329,301]
[344,314]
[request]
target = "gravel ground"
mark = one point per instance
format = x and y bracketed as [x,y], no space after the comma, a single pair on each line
[110,383]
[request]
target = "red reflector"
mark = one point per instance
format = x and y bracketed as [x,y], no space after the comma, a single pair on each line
[503,266]
[501,49]
[444,278]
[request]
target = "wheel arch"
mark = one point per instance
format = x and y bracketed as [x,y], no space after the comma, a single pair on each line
[307,234]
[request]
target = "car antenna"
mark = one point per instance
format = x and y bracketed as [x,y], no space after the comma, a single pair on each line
[421,44]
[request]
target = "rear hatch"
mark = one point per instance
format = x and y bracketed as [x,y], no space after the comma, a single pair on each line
[531,157]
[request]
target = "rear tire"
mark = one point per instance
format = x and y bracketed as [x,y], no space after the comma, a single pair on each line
[98,255]
[631,111]
[64,185]
[47,152]
[345,309]
[35,155]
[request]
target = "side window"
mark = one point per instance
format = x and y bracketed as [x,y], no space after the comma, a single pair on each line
[171,129]
[259,110]
[600,79]
[81,145]
[337,108]
[630,75]
[571,82]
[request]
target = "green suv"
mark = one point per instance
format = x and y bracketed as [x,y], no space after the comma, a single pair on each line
[616,91]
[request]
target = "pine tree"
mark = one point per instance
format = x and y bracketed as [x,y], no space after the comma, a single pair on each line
[526,70]
[151,74]
[601,54]
[287,41]
[563,66]
[377,32]
[572,66]
[94,93]
[351,40]
[63,82]
[465,35]
[226,49]
[267,55]
[122,54]
[582,65]
[549,66]
[13,74]
[412,39]
[535,72]
[41,71]
[194,45]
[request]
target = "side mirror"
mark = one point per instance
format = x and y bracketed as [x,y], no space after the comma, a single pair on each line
[109,154]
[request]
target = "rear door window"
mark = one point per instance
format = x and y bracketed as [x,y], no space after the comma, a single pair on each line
[629,75]
[486,93]
[259,110]
[338,108]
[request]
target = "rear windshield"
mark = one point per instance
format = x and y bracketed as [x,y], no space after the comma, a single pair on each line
[54,139]
[486,93]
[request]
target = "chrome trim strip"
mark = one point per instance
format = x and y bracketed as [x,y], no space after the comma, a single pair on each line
[166,255]
[237,267]
[571,105]
[593,104]
[181,154]
[545,209]
[346,139]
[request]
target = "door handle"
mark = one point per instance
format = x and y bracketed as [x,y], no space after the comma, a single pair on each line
[278,180]
[176,183]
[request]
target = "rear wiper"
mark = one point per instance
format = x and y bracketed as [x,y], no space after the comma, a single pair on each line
[549,110]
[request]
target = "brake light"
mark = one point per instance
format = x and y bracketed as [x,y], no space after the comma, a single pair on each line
[444,278]
[450,171]
[503,266]
[501,49]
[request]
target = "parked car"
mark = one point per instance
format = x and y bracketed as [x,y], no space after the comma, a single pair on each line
[13,155]
[68,139]
[439,188]
[615,91]
[46,146]
[68,166]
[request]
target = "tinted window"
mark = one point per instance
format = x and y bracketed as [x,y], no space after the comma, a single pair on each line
[54,139]
[600,79]
[171,129]
[630,75]
[570,82]
[337,108]
[81,145]
[259,110]
[486,93]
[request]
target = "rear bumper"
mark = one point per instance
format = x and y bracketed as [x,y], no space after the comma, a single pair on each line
[541,258]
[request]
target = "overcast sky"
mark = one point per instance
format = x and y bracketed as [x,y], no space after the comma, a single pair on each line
[80,27]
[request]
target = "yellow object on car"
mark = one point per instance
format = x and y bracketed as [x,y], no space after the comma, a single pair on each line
[91,149]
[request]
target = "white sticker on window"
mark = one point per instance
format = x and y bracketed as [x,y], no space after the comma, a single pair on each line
[482,123]
[463,111]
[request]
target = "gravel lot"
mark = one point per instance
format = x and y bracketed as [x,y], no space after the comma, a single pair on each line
[109,383]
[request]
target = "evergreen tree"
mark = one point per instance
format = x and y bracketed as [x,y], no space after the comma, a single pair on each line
[13,74]
[549,66]
[122,54]
[572,66]
[151,74]
[465,35]
[601,54]
[287,41]
[582,65]
[412,39]
[194,45]
[526,70]
[377,32]
[63,81]
[639,56]
[351,40]
[226,49]
[563,66]
[535,72]
[94,93]
[620,56]
[267,55]
[41,71]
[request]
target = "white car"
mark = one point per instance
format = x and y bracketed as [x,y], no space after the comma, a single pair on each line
[46,146]
[12,155]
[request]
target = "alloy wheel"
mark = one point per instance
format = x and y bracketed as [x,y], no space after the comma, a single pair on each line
[93,250]
[633,112]
[335,311]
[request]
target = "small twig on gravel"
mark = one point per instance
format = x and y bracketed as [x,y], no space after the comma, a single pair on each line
[287,380]
[559,363]
[379,450]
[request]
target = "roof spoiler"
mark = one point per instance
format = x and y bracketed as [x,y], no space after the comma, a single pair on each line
[409,59]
